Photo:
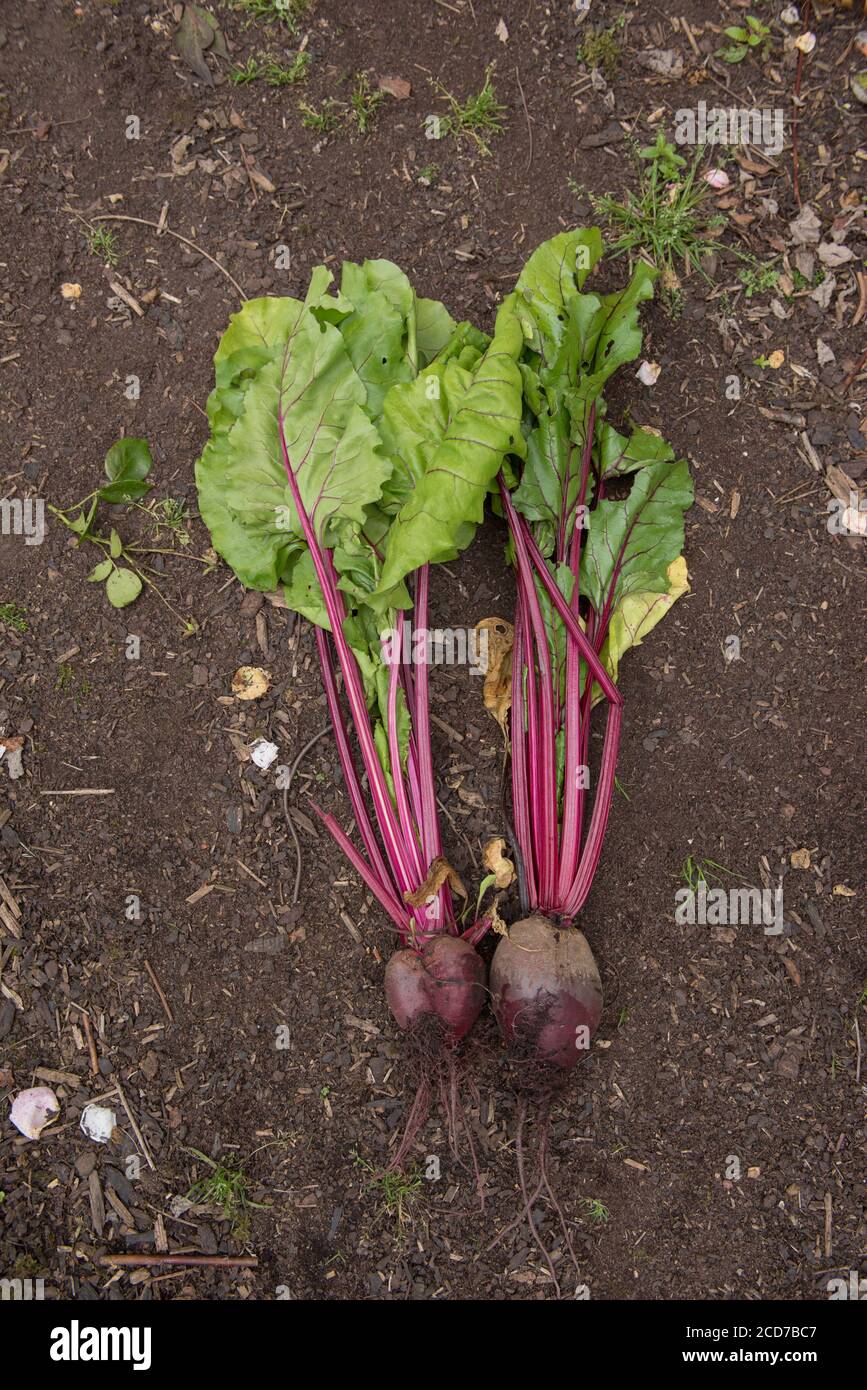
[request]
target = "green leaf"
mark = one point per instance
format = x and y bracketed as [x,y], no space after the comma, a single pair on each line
[100,572]
[244,494]
[432,524]
[127,464]
[638,613]
[631,543]
[115,545]
[123,587]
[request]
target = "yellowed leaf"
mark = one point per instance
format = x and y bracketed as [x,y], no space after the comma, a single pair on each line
[497,637]
[637,615]
[776,359]
[495,861]
[800,859]
[842,891]
[440,872]
[69,290]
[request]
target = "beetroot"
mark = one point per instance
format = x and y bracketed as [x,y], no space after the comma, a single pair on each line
[447,982]
[546,991]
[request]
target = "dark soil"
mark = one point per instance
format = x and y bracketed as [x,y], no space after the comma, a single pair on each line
[712,1145]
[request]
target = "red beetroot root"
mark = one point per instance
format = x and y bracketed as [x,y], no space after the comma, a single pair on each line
[546,992]
[447,981]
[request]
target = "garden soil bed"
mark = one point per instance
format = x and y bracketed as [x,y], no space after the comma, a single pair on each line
[712,1144]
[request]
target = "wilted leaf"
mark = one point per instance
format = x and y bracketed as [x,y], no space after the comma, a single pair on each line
[800,859]
[69,290]
[197,32]
[832,255]
[500,638]
[806,227]
[440,872]
[495,860]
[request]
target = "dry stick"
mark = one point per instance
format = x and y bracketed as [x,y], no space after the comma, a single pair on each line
[847,381]
[91,1043]
[81,791]
[158,987]
[160,228]
[135,1129]
[293,769]
[206,1261]
[797,93]
[527,117]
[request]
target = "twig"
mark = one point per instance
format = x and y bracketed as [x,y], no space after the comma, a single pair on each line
[798,74]
[81,791]
[289,822]
[158,987]
[91,1042]
[847,381]
[161,228]
[135,1129]
[858,1063]
[527,118]
[203,1261]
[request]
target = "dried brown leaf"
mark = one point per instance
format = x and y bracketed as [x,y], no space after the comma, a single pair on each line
[440,872]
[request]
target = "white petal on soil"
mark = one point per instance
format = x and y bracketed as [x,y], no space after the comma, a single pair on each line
[648,373]
[263,753]
[717,179]
[806,42]
[34,1109]
[98,1123]
[791,15]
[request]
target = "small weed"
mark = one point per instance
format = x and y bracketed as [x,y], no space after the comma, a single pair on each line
[13,616]
[665,156]
[622,1017]
[620,787]
[477,117]
[65,678]
[597,1211]
[250,71]
[429,175]
[861,1001]
[279,75]
[226,1188]
[758,278]
[399,1191]
[600,50]
[323,120]
[364,103]
[66,684]
[746,39]
[286,12]
[664,221]
[696,871]
[170,514]
[102,242]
